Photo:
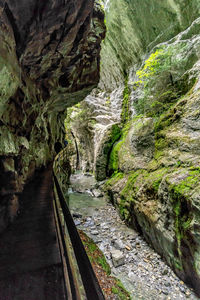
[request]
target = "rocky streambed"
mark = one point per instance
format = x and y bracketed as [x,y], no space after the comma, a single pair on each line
[142,271]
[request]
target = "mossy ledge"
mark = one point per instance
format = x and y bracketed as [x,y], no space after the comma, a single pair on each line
[113,286]
[157,191]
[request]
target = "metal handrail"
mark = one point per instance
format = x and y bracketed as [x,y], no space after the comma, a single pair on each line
[86,278]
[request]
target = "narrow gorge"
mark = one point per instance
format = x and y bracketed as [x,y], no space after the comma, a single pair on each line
[116,84]
[139,130]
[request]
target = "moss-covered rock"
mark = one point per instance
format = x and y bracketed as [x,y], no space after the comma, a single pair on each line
[135,27]
[156,184]
[111,134]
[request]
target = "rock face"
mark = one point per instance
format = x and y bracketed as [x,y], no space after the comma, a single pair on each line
[151,57]
[160,196]
[134,28]
[49,60]
[90,130]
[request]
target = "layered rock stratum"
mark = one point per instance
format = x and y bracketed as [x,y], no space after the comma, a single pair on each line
[150,72]
[49,60]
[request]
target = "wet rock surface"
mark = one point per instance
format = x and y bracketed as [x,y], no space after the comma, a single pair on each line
[49,59]
[141,269]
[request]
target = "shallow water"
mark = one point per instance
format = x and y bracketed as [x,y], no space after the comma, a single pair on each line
[84,203]
[144,273]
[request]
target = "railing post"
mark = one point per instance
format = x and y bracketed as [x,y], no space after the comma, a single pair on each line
[89,280]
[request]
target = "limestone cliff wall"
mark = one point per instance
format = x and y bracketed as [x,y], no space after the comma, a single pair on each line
[49,60]
[134,28]
[155,160]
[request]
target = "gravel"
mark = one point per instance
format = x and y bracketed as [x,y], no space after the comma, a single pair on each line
[143,272]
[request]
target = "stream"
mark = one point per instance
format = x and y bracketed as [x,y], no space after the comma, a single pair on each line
[142,271]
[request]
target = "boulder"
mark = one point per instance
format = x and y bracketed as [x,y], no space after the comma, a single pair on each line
[118,258]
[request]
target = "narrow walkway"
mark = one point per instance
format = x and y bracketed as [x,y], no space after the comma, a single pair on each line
[30,263]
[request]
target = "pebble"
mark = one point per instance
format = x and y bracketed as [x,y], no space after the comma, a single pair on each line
[132,260]
[97,193]
[118,245]
[77,222]
[94,232]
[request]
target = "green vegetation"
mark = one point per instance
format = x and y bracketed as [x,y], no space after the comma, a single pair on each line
[188,183]
[125,115]
[118,289]
[113,137]
[103,263]
[150,68]
[156,177]
[109,284]
[156,80]
[113,165]
[180,195]
[80,115]
[113,161]
[128,191]
[114,179]
[169,117]
[95,255]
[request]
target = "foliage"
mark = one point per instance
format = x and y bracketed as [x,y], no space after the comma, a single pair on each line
[113,160]
[151,66]
[113,165]
[157,82]
[109,284]
[103,263]
[180,195]
[119,290]
[95,254]
[125,115]
[79,116]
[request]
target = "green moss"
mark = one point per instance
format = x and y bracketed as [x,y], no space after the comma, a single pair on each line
[113,137]
[170,116]
[165,120]
[119,290]
[125,115]
[156,177]
[124,212]
[103,263]
[185,186]
[114,179]
[178,264]
[160,143]
[115,133]
[180,197]
[113,161]
[113,164]
[127,192]
[94,253]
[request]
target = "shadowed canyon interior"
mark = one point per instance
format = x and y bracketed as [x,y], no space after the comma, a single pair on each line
[128,103]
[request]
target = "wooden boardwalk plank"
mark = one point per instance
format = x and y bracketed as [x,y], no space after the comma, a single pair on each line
[30,263]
